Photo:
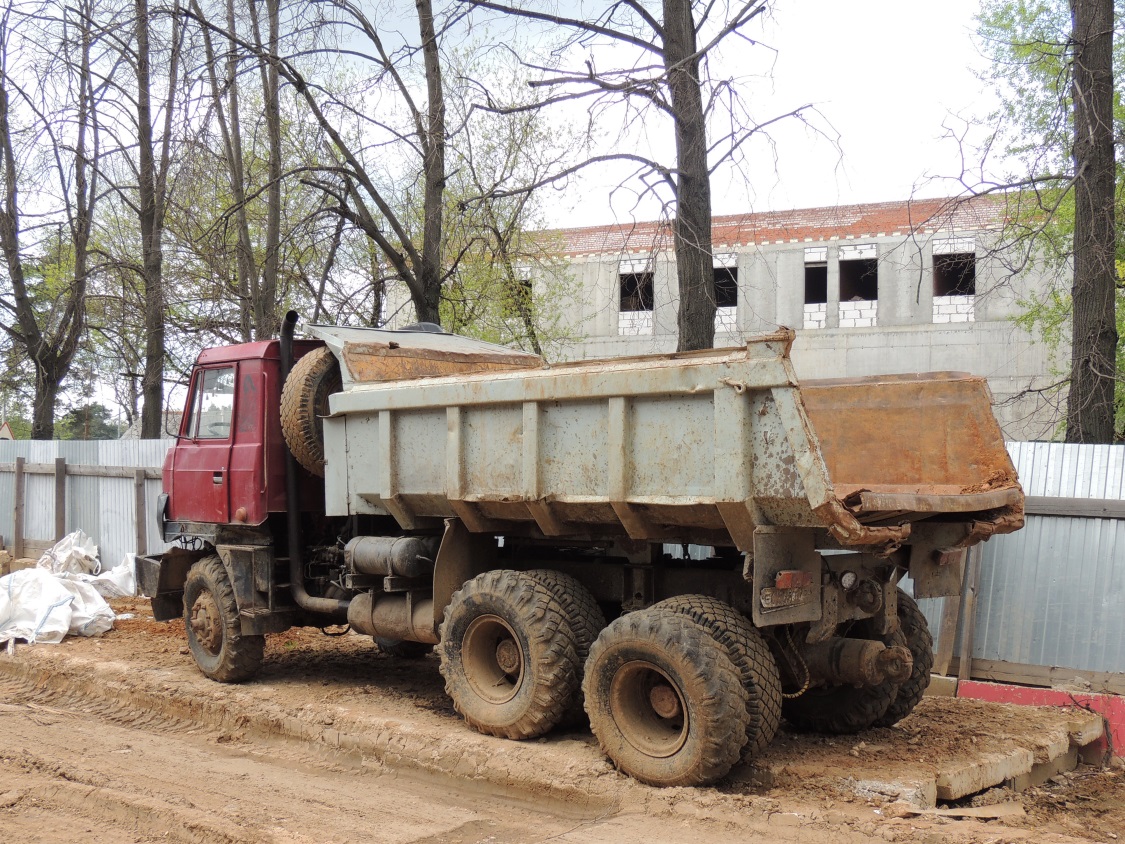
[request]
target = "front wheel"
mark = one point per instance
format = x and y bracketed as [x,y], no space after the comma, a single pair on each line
[214,632]
[665,700]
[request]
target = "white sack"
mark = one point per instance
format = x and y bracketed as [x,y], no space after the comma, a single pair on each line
[117,582]
[39,607]
[75,552]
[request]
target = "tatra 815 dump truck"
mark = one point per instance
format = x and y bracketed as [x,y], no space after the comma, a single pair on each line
[528,519]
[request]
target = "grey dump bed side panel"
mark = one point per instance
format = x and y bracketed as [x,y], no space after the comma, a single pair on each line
[702,447]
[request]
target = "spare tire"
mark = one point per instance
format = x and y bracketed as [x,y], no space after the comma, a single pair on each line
[304,403]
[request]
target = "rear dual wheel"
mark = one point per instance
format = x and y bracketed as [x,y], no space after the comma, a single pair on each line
[914,627]
[846,709]
[509,655]
[750,654]
[586,621]
[665,700]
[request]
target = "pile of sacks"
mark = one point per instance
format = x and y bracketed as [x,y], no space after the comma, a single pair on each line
[64,594]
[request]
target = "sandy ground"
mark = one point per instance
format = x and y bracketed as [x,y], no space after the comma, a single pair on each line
[119,739]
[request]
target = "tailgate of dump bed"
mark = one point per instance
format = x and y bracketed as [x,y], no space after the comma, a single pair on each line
[925,443]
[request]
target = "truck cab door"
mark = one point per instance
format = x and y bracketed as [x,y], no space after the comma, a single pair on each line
[201,491]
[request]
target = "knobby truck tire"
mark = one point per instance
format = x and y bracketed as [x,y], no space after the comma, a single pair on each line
[586,622]
[304,403]
[921,644]
[665,700]
[218,646]
[508,655]
[751,656]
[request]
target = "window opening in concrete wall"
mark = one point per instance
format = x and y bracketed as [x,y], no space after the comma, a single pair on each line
[636,303]
[816,287]
[859,280]
[955,274]
[726,287]
[519,301]
[636,292]
[816,284]
[859,286]
[955,286]
[726,298]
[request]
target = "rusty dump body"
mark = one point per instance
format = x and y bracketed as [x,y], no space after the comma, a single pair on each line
[713,447]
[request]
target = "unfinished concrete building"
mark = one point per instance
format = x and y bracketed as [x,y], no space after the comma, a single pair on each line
[872,289]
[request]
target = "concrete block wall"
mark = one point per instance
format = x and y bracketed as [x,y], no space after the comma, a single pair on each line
[953,308]
[858,314]
[816,315]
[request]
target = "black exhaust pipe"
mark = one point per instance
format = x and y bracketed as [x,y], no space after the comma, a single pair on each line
[331,606]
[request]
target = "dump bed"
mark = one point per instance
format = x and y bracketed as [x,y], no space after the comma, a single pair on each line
[698,447]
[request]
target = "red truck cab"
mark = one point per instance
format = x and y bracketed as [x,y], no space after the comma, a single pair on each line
[228,464]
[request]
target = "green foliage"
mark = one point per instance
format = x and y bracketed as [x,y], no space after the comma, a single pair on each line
[1029,43]
[21,427]
[503,284]
[88,422]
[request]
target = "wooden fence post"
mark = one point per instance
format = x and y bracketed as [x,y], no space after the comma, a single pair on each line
[950,618]
[969,614]
[141,511]
[17,513]
[60,498]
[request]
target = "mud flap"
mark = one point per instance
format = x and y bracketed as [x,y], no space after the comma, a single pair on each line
[162,579]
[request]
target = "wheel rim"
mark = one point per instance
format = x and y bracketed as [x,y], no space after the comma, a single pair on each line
[493,659]
[649,709]
[206,623]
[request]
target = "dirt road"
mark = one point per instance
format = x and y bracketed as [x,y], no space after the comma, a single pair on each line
[119,739]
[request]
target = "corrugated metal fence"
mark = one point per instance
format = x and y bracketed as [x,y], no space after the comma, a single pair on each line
[103,507]
[1053,594]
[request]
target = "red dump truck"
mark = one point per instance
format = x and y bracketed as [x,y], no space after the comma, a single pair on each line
[526,521]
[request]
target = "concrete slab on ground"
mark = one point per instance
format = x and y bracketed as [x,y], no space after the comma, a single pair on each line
[1024,746]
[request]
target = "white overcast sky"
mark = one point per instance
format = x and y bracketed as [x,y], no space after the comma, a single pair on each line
[887,75]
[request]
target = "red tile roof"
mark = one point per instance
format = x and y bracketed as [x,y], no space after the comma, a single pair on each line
[806,224]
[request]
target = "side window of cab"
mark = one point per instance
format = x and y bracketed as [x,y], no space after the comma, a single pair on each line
[212,404]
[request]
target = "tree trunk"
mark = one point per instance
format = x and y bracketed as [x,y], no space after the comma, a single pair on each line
[152,255]
[433,165]
[43,407]
[1090,410]
[266,320]
[244,251]
[692,227]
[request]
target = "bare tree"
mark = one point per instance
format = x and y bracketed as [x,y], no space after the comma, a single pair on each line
[665,48]
[153,163]
[352,179]
[49,143]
